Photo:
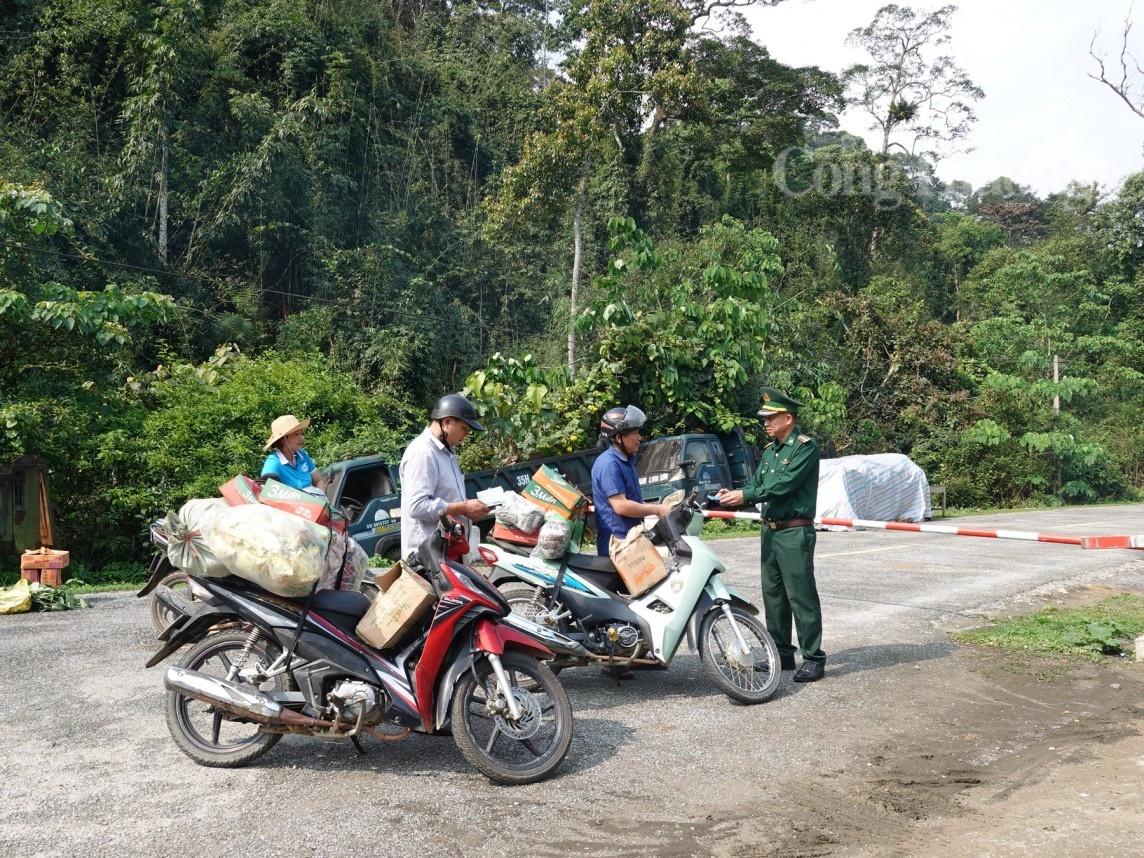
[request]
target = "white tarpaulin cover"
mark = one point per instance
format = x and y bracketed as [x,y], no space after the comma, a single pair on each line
[883,487]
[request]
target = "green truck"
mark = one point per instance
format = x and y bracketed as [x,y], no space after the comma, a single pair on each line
[706,462]
[369,488]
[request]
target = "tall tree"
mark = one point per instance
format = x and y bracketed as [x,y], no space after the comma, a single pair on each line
[1128,80]
[918,104]
[149,111]
[627,74]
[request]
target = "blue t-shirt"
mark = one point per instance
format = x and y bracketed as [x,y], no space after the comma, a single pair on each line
[297,476]
[613,474]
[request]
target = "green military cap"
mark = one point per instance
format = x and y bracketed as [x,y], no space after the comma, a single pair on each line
[777,402]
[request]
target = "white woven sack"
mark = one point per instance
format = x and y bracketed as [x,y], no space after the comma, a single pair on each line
[279,552]
[188,537]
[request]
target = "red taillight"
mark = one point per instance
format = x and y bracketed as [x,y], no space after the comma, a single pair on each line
[488,555]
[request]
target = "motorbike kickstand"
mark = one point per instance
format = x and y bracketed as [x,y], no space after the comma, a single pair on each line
[618,671]
[357,744]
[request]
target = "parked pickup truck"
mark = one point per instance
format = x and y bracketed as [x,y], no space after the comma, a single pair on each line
[369,488]
[698,461]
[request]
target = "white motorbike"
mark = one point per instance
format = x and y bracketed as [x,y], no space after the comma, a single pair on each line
[583,597]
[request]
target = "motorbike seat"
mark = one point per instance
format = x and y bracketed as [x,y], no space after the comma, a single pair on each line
[343,608]
[598,570]
[510,547]
[590,563]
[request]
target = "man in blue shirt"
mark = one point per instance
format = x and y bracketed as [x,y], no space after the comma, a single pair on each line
[288,462]
[615,483]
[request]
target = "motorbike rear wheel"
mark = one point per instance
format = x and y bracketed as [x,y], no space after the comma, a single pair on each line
[522,598]
[206,735]
[750,678]
[503,750]
[162,616]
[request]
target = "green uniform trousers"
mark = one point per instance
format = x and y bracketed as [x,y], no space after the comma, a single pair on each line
[789,588]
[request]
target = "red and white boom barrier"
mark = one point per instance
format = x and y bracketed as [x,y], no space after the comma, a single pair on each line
[1118,541]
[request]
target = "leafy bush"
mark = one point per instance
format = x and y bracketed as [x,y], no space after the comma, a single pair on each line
[189,428]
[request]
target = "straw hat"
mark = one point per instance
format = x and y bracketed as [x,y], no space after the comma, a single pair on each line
[283,426]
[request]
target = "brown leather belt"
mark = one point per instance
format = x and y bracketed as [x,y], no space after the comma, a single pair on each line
[790,522]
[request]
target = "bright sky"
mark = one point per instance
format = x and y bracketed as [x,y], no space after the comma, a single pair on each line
[1042,122]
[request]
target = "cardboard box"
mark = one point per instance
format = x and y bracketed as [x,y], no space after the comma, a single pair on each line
[405,597]
[52,577]
[548,490]
[511,534]
[44,558]
[309,506]
[637,561]
[241,490]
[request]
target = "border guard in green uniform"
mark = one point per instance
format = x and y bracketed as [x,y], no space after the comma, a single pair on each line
[786,484]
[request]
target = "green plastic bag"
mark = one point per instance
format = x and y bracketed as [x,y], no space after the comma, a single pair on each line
[16,599]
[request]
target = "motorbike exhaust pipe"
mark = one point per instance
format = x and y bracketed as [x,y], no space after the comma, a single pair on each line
[252,704]
[238,700]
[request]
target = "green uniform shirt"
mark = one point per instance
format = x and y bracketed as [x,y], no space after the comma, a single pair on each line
[787,479]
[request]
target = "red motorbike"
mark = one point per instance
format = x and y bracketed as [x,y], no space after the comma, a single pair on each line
[262,666]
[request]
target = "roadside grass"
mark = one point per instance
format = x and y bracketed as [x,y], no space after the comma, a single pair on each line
[959,512]
[1094,632]
[719,528]
[120,575]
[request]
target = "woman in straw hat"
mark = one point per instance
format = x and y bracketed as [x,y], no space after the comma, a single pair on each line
[288,462]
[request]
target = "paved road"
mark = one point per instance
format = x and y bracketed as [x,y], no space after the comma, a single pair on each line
[88,767]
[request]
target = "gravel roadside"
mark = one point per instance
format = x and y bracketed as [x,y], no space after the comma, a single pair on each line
[663,764]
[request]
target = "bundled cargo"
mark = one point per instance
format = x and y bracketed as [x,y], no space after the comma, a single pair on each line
[519,514]
[552,542]
[188,537]
[346,563]
[277,551]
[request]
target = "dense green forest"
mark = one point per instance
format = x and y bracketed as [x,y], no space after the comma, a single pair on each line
[216,211]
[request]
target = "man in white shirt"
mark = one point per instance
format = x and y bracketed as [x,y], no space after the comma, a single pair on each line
[431,480]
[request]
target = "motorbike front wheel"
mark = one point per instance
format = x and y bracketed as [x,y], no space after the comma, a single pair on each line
[750,677]
[207,735]
[510,751]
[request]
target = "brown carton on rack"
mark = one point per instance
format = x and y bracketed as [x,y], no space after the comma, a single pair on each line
[550,491]
[405,597]
[637,561]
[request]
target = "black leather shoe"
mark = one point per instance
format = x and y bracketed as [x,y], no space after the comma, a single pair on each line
[811,671]
[787,662]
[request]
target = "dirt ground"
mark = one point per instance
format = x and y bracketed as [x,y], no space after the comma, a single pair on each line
[999,756]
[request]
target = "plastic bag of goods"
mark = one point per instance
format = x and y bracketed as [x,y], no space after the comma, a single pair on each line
[553,541]
[345,564]
[516,512]
[279,552]
[189,537]
[16,599]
